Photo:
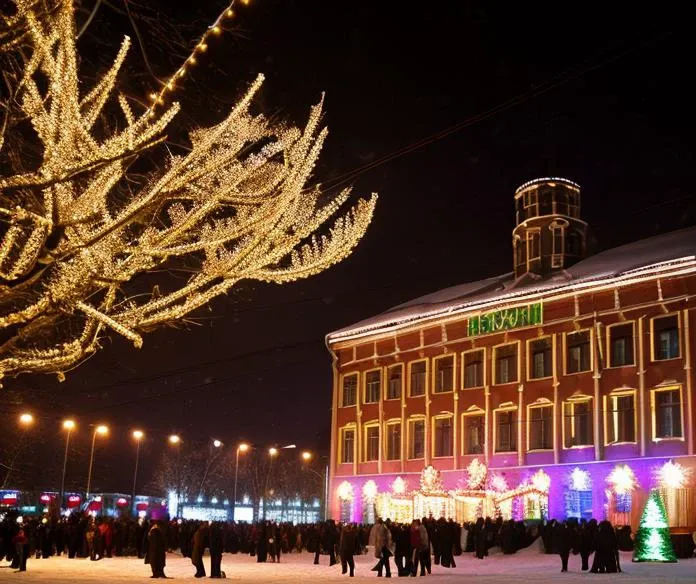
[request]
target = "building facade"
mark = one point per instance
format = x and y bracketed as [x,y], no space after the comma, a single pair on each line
[569,380]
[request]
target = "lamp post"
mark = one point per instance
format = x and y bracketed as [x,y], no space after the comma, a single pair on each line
[25,421]
[100,430]
[272,453]
[306,457]
[241,448]
[68,426]
[175,440]
[215,444]
[138,435]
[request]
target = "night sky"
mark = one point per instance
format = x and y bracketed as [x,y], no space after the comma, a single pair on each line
[593,92]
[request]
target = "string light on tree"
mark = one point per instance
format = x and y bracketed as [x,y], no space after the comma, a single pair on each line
[233,207]
[653,542]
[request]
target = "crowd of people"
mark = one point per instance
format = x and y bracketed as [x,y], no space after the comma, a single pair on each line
[414,547]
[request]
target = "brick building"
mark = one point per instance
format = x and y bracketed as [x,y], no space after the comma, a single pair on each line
[581,367]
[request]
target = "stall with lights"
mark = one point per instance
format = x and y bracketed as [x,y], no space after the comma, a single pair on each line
[431,500]
[473,500]
[678,496]
[530,500]
[622,484]
[397,504]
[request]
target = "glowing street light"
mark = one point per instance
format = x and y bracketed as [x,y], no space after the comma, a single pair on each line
[273,451]
[68,426]
[138,435]
[100,430]
[26,419]
[217,443]
[306,456]
[174,439]
[243,447]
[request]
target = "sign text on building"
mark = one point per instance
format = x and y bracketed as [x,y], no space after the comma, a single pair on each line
[506,319]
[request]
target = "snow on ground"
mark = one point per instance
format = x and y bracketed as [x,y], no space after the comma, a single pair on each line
[525,567]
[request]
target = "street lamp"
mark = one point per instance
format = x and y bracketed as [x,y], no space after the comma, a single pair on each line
[175,440]
[241,448]
[68,426]
[138,435]
[217,443]
[25,420]
[306,457]
[100,430]
[272,453]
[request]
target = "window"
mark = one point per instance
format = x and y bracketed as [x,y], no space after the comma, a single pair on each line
[347,445]
[395,382]
[531,203]
[667,415]
[557,243]
[474,426]
[665,337]
[540,359]
[541,427]
[621,345]
[393,450]
[473,369]
[372,386]
[416,439]
[444,374]
[621,420]
[442,430]
[417,378]
[579,504]
[533,250]
[506,431]
[578,352]
[573,243]
[506,364]
[350,390]
[371,443]
[577,423]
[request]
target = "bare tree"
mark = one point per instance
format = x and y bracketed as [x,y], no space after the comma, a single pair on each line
[85,232]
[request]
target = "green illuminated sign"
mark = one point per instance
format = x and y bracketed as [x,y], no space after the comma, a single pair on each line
[503,320]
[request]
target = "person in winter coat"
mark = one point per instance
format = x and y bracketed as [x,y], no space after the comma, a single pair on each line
[156,551]
[420,546]
[346,548]
[563,536]
[21,543]
[215,551]
[480,538]
[587,536]
[383,544]
[200,542]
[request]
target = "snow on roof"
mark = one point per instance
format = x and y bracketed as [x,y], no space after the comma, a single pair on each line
[674,247]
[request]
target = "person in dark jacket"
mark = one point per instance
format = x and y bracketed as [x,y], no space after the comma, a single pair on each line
[21,543]
[346,548]
[156,551]
[587,536]
[215,551]
[200,542]
[563,536]
[480,538]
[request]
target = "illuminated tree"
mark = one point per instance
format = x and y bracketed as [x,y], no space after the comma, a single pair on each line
[85,233]
[653,542]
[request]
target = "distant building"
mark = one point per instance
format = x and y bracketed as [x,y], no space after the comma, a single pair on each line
[563,388]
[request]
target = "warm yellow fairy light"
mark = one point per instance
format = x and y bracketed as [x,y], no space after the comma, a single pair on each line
[229,13]
[69,259]
[216,29]
[202,47]
[26,419]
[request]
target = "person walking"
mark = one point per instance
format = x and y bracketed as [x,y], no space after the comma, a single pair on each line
[21,543]
[216,546]
[346,548]
[200,541]
[420,546]
[156,551]
[563,534]
[383,543]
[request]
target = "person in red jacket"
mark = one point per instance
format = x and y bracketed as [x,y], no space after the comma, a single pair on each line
[21,543]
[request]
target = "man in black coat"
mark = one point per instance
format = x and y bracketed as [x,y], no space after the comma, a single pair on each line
[215,551]
[156,551]
[346,548]
[563,536]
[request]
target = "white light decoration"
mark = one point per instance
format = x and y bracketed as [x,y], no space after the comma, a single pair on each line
[345,491]
[399,486]
[580,480]
[622,479]
[477,472]
[214,500]
[81,224]
[499,483]
[369,491]
[673,475]
[541,481]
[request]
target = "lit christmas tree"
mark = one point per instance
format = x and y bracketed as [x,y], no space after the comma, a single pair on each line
[653,543]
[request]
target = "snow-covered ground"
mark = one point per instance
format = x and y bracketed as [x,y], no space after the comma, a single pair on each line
[526,567]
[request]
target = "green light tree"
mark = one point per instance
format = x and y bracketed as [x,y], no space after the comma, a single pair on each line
[653,543]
